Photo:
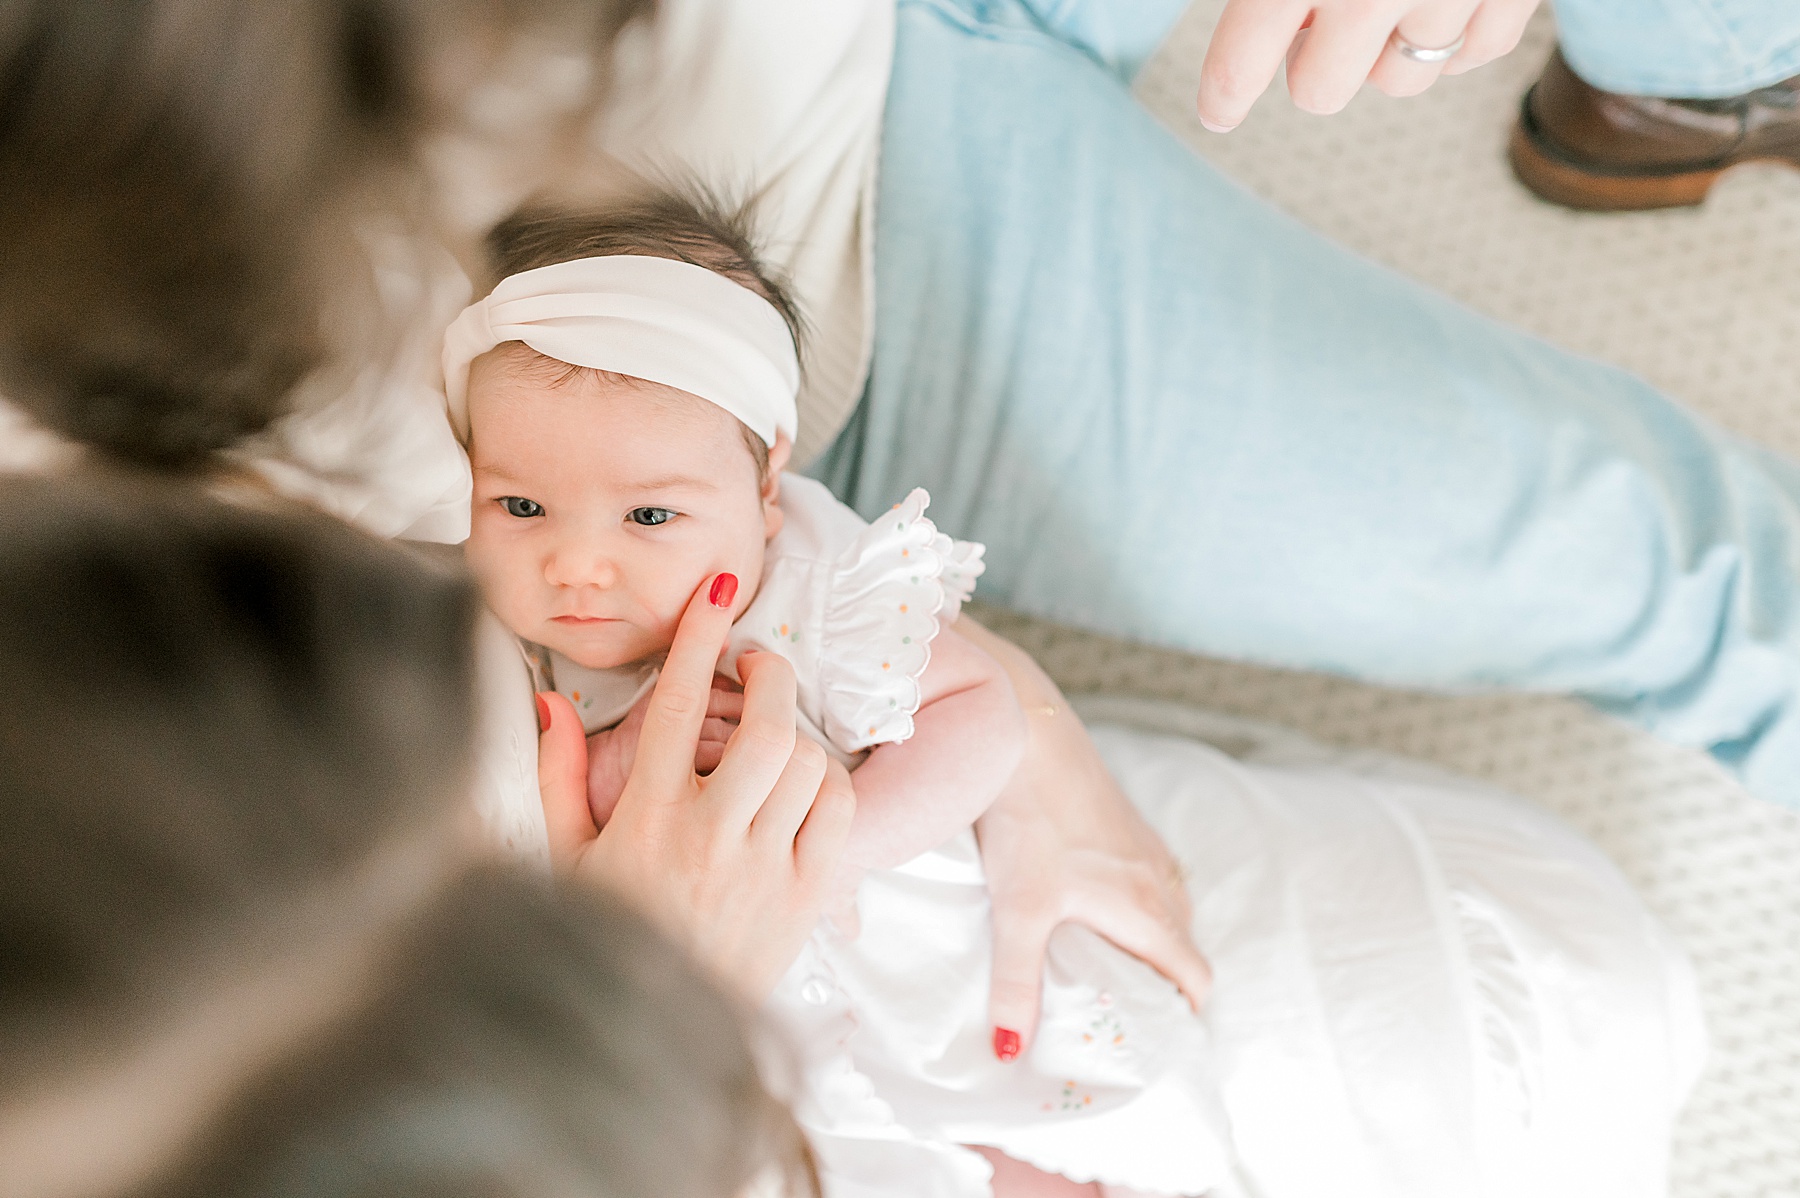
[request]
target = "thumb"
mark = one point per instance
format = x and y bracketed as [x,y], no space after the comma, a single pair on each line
[1020,941]
[562,779]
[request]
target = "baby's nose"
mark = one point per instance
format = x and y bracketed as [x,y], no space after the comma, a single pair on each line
[575,564]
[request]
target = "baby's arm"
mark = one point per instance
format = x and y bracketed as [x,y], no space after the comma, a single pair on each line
[968,736]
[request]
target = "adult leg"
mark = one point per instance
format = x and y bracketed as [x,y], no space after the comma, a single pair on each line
[1697,48]
[1175,414]
[1119,34]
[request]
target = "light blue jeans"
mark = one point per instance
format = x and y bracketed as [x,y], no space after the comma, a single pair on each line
[1693,48]
[1175,414]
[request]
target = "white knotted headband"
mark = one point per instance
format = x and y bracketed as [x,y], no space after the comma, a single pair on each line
[652,318]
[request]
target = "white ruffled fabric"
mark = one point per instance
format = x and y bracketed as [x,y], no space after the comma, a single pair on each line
[855,608]
[1423,989]
[1116,1087]
[861,1148]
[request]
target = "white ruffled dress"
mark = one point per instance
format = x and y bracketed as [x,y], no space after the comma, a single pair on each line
[1423,988]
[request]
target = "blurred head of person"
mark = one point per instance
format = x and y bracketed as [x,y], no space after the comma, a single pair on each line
[189,189]
[248,944]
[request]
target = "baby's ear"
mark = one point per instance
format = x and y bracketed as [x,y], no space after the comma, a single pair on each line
[779,453]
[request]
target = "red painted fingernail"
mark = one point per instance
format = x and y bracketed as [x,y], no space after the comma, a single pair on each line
[724,590]
[543,713]
[1006,1043]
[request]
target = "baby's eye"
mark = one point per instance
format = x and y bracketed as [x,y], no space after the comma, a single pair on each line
[524,509]
[651,516]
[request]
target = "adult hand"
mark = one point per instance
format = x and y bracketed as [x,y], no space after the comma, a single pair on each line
[1064,843]
[1332,46]
[612,751]
[736,865]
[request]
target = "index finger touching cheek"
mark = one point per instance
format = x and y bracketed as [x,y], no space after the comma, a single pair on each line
[672,722]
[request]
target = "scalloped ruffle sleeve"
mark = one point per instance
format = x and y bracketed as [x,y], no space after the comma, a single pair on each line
[855,608]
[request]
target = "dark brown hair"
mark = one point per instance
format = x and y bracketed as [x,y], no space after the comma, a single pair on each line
[174,184]
[685,224]
[207,708]
[524,1044]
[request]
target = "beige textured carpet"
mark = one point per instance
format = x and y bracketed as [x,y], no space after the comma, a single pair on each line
[1704,303]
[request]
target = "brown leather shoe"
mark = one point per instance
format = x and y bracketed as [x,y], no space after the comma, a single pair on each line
[1581,147]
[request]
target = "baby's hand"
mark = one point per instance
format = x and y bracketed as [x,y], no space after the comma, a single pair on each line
[612,751]
[724,708]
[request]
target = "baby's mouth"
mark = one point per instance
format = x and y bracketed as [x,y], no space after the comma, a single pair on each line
[584,621]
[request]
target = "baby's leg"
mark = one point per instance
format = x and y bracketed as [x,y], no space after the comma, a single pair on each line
[1016,1179]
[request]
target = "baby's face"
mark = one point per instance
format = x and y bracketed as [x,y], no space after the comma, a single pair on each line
[602,504]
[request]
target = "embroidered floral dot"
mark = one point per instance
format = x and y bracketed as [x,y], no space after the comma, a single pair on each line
[578,696]
[1072,1099]
[906,640]
[903,607]
[906,553]
[1105,1027]
[885,665]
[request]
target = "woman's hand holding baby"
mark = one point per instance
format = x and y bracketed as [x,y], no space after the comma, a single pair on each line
[1063,843]
[737,864]
[612,751]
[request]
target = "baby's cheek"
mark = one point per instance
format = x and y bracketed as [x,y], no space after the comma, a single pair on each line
[502,580]
[684,585]
[749,568]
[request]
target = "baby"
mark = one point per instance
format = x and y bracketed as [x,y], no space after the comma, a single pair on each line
[627,399]
[604,497]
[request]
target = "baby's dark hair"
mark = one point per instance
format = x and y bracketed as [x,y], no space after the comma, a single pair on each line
[684,224]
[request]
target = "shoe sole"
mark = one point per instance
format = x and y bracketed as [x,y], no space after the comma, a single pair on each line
[1560,181]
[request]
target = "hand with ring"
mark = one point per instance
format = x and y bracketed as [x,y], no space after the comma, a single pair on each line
[1332,46]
